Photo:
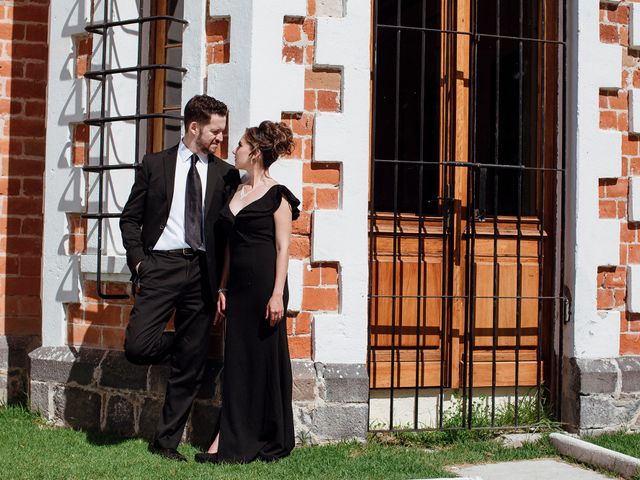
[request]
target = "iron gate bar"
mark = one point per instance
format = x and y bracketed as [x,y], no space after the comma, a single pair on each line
[127,118]
[101,27]
[469,165]
[96,74]
[395,212]
[420,219]
[101,75]
[448,170]
[471,34]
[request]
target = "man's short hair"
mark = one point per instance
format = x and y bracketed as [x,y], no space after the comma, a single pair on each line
[200,108]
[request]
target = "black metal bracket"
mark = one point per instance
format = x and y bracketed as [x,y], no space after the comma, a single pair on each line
[101,76]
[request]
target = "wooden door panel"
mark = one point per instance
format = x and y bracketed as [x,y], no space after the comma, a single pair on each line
[505,373]
[415,321]
[404,369]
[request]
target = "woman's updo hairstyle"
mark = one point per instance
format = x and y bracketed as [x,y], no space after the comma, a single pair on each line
[272,139]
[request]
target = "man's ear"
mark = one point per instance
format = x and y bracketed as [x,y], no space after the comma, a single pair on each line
[194,128]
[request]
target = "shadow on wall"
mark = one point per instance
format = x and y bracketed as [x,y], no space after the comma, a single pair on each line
[107,394]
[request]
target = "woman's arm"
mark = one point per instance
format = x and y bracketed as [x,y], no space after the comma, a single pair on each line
[282,217]
[222,291]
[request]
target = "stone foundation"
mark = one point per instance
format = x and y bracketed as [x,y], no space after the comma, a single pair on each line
[14,367]
[98,390]
[601,395]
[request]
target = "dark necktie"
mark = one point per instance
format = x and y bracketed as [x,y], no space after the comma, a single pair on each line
[193,207]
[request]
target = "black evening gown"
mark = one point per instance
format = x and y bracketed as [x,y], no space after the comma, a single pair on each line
[256,420]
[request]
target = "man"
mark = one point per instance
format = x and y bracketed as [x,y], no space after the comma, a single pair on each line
[168,230]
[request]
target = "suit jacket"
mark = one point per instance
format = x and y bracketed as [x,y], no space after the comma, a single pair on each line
[146,212]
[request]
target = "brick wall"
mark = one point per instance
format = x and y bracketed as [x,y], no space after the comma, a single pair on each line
[23,70]
[614,192]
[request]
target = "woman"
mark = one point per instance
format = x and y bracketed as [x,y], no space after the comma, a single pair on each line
[257,419]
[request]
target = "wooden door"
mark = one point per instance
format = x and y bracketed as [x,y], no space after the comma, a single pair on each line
[460,250]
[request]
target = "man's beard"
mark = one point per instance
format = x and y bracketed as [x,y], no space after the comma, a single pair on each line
[210,148]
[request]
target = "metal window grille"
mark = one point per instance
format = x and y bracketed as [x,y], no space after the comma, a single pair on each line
[513,176]
[104,28]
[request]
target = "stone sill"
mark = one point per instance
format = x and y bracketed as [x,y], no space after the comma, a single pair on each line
[114,268]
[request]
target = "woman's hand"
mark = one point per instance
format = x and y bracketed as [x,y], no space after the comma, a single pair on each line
[275,310]
[221,308]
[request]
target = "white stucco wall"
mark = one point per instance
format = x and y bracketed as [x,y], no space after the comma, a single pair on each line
[593,154]
[71,100]
[341,235]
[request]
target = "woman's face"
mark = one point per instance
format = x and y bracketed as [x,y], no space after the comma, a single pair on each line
[242,154]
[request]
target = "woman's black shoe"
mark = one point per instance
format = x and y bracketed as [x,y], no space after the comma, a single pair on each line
[206,457]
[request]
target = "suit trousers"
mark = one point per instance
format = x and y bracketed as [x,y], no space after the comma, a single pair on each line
[172,283]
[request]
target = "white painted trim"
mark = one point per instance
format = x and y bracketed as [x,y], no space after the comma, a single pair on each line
[341,235]
[634,106]
[633,288]
[593,154]
[634,26]
[63,183]
[634,199]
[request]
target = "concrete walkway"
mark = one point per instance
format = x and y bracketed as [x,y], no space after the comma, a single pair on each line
[546,469]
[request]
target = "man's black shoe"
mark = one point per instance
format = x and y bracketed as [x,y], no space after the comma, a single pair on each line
[168,453]
[206,458]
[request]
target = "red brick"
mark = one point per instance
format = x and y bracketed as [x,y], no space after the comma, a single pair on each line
[308,198]
[21,325]
[23,286]
[609,34]
[329,274]
[300,247]
[31,13]
[627,232]
[217,30]
[324,299]
[608,120]
[303,323]
[323,78]
[37,33]
[83,335]
[300,346]
[630,145]
[309,28]
[35,108]
[309,100]
[328,101]
[30,265]
[113,338]
[327,198]
[302,225]
[617,188]
[321,172]
[292,32]
[630,344]
[302,125]
[292,54]
[608,209]
[311,8]
[312,276]
[605,299]
[32,226]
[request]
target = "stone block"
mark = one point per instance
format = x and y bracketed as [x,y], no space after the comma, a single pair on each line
[3,388]
[341,422]
[120,418]
[77,407]
[150,412]
[204,419]
[39,398]
[346,383]
[605,412]
[65,364]
[630,368]
[304,380]
[597,375]
[118,372]
[14,351]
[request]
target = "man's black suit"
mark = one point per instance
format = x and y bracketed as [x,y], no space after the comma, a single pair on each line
[172,282]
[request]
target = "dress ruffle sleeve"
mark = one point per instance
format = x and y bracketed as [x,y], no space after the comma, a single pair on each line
[291,198]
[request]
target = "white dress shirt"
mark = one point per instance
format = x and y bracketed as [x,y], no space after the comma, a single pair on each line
[173,233]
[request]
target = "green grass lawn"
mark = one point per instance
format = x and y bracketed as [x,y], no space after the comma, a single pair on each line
[628,443]
[30,449]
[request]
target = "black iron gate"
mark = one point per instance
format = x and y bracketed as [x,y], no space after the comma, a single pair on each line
[466,213]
